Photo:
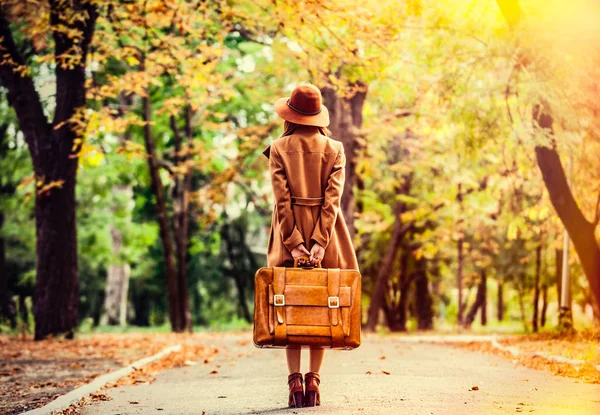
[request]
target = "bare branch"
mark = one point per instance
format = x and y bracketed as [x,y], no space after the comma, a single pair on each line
[167,165]
[22,95]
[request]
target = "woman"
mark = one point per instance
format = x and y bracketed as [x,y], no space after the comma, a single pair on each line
[307,174]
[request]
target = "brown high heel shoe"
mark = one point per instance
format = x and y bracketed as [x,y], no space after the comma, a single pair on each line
[312,396]
[296,393]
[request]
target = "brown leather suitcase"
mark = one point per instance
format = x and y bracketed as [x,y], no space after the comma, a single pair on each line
[307,307]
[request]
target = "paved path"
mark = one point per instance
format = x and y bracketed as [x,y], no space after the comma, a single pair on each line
[424,379]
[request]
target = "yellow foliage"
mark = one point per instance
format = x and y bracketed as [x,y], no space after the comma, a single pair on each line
[90,155]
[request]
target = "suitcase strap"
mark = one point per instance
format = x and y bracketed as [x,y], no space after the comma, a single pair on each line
[278,287]
[333,302]
[333,289]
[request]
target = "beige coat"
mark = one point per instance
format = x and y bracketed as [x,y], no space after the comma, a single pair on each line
[307,175]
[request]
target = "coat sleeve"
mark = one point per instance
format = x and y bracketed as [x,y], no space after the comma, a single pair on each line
[331,205]
[283,202]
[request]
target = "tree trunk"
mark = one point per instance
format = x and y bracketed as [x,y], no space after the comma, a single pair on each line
[23,313]
[181,216]
[459,281]
[141,307]
[57,284]
[521,293]
[596,313]
[480,299]
[558,273]
[484,302]
[500,308]
[436,279]
[7,305]
[236,271]
[52,146]
[424,304]
[176,313]
[396,317]
[197,305]
[111,310]
[544,305]
[536,292]
[117,282]
[395,311]
[580,230]
[114,310]
[403,304]
[345,114]
[243,305]
[378,296]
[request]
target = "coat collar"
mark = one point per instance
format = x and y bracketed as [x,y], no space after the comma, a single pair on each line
[267,152]
[300,130]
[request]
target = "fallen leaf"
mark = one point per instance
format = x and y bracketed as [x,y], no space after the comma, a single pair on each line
[382,358]
[474,388]
[213,372]
[386,372]
[369,372]
[100,397]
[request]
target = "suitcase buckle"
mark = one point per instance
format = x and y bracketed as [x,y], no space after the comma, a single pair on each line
[333,302]
[279,300]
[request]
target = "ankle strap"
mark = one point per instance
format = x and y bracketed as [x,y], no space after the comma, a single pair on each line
[295,375]
[312,375]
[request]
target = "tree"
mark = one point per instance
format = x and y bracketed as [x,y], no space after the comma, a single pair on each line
[400,153]
[346,116]
[581,231]
[52,146]
[168,56]
[119,271]
[480,302]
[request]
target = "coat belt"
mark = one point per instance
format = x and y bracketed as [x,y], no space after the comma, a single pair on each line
[308,201]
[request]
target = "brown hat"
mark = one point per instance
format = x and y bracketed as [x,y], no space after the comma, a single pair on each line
[303,107]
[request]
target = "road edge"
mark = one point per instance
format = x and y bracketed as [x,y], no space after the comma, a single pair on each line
[66,400]
[559,359]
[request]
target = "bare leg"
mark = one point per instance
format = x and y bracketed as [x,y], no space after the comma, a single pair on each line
[293,358]
[316,359]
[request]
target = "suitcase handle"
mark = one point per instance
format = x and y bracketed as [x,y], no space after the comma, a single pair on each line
[303,259]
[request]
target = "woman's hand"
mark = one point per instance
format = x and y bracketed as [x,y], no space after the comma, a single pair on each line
[317,252]
[299,250]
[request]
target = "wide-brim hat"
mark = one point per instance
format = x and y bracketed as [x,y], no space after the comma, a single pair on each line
[303,107]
